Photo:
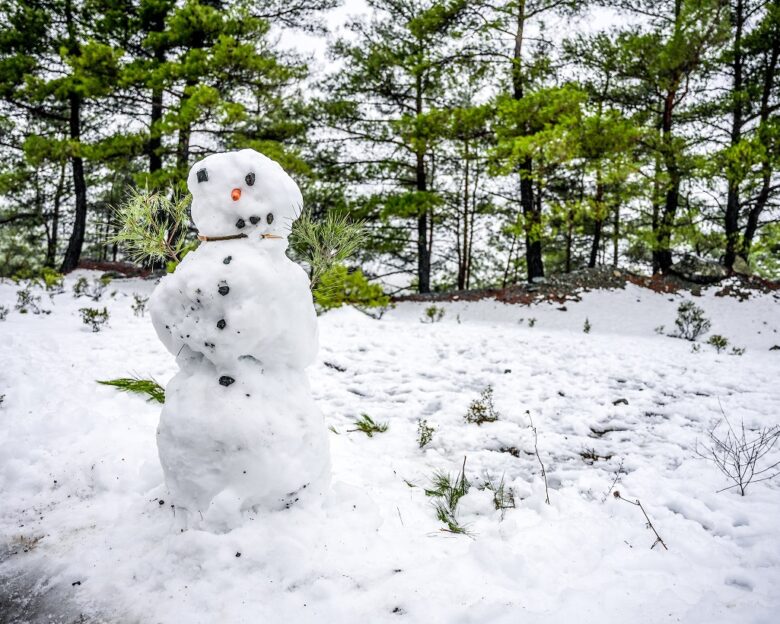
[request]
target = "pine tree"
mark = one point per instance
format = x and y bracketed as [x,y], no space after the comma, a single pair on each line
[671,59]
[389,99]
[57,70]
[749,161]
[609,139]
[506,26]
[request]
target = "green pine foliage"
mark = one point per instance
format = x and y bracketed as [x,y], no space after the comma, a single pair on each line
[149,387]
[322,244]
[447,493]
[467,158]
[152,226]
[367,425]
[339,286]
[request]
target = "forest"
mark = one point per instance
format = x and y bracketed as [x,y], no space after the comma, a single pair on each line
[482,143]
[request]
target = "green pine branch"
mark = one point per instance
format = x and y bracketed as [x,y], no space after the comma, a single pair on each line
[324,243]
[153,226]
[136,385]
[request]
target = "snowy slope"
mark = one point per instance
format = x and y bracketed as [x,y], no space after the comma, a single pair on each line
[85,528]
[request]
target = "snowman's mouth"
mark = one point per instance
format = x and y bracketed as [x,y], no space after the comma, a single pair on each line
[221,238]
[235,236]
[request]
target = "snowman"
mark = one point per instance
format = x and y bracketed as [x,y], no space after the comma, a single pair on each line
[239,432]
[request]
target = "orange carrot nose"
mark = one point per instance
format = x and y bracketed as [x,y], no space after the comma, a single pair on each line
[236,194]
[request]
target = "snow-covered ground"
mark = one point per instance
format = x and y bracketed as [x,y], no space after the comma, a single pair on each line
[85,528]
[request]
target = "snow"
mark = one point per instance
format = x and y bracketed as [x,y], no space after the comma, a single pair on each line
[82,485]
[239,432]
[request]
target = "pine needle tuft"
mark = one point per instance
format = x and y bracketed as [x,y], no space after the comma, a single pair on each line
[149,387]
[367,425]
[153,226]
[324,243]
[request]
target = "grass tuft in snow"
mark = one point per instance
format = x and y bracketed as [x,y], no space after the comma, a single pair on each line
[26,302]
[367,425]
[95,290]
[482,409]
[94,317]
[139,304]
[149,387]
[503,496]
[447,494]
[432,314]
[424,433]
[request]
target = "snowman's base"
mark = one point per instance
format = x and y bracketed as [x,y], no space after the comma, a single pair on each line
[257,444]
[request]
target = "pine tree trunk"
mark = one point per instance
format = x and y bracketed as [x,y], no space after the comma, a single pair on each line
[51,249]
[463,254]
[672,195]
[470,255]
[421,184]
[76,241]
[731,223]
[616,236]
[155,137]
[533,223]
[766,166]
[156,26]
[532,216]
[423,253]
[509,262]
[183,150]
[598,225]
[656,212]
[596,243]
[569,236]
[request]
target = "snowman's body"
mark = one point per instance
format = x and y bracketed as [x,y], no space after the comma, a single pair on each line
[239,429]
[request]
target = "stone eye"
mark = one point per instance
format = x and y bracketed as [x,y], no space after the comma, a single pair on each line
[254,220]
[270,218]
[203,175]
[249,179]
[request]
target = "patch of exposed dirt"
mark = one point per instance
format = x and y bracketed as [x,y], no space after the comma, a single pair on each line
[118,269]
[569,286]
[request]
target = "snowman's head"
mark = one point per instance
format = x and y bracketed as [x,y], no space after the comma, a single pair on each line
[243,193]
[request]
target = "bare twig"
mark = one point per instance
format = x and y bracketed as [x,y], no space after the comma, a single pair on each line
[649,524]
[618,474]
[536,451]
[740,458]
